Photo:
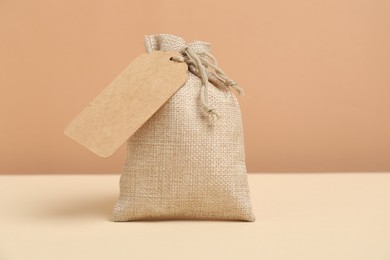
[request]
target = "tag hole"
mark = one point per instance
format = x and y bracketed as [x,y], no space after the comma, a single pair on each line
[171,58]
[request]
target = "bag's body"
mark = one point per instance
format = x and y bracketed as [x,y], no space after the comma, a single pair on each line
[179,166]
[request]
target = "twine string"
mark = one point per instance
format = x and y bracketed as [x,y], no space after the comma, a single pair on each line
[200,63]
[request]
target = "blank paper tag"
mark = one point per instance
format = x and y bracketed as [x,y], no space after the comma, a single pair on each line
[128,102]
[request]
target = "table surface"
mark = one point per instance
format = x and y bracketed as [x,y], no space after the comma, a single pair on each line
[299,216]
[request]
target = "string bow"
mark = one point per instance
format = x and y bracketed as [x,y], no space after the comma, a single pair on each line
[204,65]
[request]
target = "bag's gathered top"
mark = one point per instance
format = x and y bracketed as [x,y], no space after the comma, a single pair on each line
[201,63]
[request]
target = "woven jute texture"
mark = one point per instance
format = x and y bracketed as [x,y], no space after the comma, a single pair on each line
[179,165]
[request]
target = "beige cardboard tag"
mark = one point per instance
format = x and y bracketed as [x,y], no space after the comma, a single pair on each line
[125,105]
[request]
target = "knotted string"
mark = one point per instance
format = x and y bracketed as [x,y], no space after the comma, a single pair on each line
[198,63]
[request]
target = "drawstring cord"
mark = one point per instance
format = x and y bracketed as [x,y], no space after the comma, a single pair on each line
[199,63]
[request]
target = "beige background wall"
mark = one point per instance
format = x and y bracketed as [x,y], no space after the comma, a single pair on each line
[316,76]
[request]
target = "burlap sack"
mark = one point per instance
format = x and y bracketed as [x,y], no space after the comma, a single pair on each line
[181,165]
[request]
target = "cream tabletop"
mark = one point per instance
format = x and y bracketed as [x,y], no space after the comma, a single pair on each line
[299,216]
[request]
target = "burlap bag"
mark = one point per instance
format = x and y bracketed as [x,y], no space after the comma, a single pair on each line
[182,163]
